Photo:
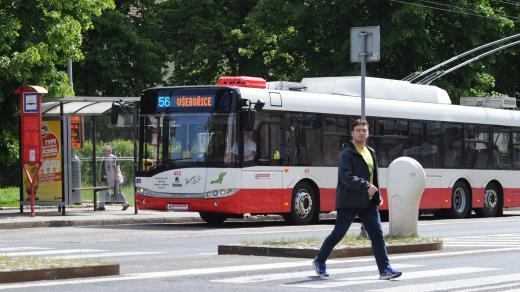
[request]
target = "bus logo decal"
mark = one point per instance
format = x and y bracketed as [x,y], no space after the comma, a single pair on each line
[219,179]
[193,180]
[177,183]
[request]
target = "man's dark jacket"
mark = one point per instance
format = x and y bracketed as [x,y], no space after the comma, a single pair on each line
[353,179]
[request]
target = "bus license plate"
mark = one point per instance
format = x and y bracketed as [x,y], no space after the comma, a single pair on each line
[177,207]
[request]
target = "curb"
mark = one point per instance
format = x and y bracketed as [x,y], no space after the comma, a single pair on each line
[136,219]
[59,273]
[98,222]
[297,252]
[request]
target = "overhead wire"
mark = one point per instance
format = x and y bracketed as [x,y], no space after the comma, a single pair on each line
[506,2]
[465,12]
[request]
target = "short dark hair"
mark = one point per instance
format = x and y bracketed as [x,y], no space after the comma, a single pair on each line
[359,122]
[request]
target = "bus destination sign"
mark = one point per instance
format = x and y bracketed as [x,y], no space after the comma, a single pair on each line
[166,103]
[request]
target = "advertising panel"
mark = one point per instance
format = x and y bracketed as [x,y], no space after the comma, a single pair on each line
[49,187]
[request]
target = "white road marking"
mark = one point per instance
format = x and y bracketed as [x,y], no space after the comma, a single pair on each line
[108,254]
[310,273]
[494,240]
[47,252]
[8,249]
[478,244]
[243,268]
[455,284]
[490,287]
[406,276]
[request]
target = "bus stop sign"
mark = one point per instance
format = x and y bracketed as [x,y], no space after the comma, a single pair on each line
[31,122]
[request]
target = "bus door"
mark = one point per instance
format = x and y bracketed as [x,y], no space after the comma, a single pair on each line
[262,174]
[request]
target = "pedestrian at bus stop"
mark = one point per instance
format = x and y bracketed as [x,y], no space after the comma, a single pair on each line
[357,194]
[113,178]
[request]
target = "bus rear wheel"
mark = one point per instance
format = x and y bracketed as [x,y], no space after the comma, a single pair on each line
[460,200]
[492,202]
[303,205]
[213,218]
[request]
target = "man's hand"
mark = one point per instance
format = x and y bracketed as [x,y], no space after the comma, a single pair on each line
[372,190]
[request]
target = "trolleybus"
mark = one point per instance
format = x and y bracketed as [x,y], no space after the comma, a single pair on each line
[249,147]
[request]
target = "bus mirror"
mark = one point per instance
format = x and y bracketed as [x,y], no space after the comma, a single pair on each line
[247,118]
[259,105]
[114,113]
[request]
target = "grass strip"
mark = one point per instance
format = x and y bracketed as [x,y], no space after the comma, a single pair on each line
[347,241]
[23,263]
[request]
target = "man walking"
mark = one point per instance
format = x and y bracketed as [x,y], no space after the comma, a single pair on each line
[357,194]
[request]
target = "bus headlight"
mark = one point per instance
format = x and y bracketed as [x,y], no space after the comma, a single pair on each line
[144,192]
[220,193]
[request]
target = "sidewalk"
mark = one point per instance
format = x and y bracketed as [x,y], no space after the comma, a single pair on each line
[11,218]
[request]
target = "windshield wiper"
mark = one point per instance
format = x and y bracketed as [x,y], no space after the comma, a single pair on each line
[179,159]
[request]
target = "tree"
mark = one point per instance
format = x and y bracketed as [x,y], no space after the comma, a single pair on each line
[203,38]
[311,38]
[122,54]
[36,39]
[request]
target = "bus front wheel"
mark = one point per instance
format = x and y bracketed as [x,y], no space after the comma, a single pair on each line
[303,204]
[460,200]
[213,218]
[492,202]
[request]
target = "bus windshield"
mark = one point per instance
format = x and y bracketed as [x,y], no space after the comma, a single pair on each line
[176,140]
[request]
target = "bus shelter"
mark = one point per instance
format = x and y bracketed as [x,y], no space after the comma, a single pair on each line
[64,124]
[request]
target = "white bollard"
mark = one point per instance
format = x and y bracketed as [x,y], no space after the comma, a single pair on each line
[405,179]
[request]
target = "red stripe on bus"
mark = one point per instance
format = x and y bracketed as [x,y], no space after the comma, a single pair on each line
[256,201]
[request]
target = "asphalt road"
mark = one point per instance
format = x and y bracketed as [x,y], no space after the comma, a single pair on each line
[480,254]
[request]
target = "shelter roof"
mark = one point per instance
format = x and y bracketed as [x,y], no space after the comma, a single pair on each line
[84,105]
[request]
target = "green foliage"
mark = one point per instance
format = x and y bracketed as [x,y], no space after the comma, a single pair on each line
[123,149]
[122,57]
[10,197]
[203,38]
[10,170]
[144,43]
[36,39]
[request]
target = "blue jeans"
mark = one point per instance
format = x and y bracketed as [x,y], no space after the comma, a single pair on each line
[372,222]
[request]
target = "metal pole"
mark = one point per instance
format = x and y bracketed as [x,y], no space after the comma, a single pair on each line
[363,55]
[94,175]
[22,186]
[69,72]
[134,137]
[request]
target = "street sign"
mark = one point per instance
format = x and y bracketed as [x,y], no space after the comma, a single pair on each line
[365,41]
[30,134]
[364,47]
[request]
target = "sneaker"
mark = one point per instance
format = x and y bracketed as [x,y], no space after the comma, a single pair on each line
[125,206]
[321,268]
[389,274]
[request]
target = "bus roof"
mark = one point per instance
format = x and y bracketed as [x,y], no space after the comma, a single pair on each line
[377,88]
[350,105]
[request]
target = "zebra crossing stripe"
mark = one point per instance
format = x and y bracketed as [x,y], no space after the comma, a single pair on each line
[351,281]
[479,245]
[8,249]
[492,240]
[476,282]
[499,287]
[108,254]
[310,273]
[241,268]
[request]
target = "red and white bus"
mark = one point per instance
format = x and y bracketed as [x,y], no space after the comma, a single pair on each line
[192,139]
